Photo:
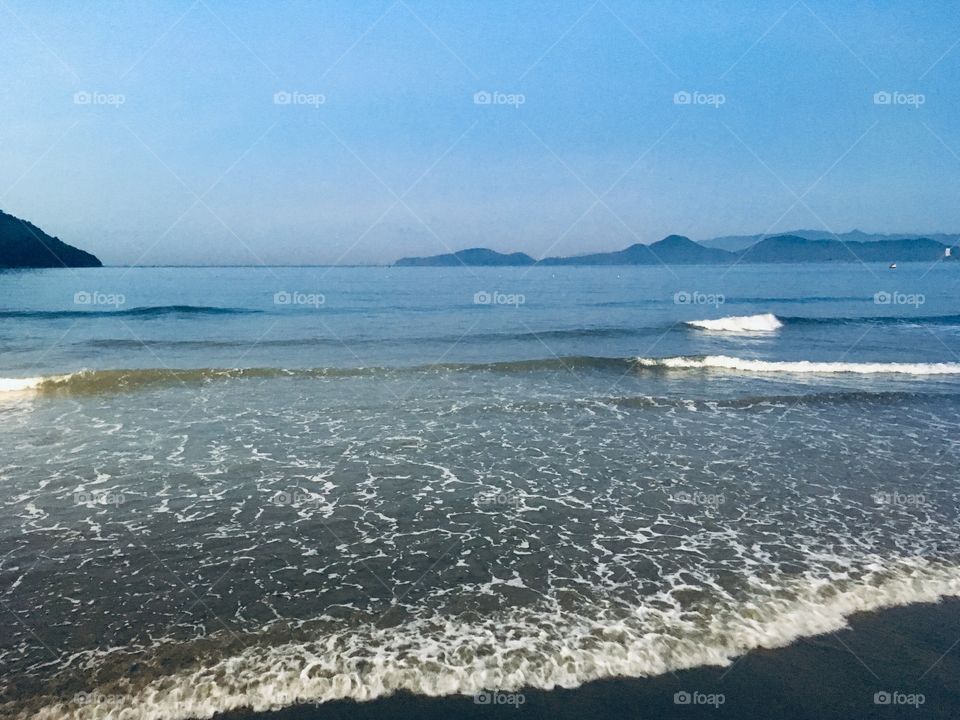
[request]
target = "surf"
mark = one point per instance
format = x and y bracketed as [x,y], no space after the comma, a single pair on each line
[439,656]
[88,381]
[749,365]
[764,323]
[19,385]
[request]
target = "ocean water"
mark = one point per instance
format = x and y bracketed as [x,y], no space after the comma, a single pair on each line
[257,487]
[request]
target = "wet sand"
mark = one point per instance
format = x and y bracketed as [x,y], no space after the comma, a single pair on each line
[905,652]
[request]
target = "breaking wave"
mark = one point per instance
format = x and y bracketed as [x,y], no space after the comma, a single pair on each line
[20,384]
[766,322]
[725,362]
[95,381]
[85,382]
[447,656]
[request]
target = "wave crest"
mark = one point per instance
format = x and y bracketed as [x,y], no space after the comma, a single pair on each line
[20,384]
[766,322]
[726,362]
[150,311]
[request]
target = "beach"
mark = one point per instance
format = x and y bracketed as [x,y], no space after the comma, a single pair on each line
[905,652]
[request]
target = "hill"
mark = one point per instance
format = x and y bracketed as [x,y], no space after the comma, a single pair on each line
[473,256]
[672,250]
[735,243]
[790,248]
[679,250]
[24,245]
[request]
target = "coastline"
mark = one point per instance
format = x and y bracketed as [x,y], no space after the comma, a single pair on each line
[912,650]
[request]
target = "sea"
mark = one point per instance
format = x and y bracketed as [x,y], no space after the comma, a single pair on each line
[258,487]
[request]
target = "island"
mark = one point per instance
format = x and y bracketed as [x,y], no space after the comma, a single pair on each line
[24,245]
[472,256]
[679,250]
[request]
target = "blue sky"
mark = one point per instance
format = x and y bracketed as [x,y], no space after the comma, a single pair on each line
[151,132]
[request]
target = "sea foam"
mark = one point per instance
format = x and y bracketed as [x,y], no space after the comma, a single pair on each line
[767,322]
[443,656]
[726,362]
[20,384]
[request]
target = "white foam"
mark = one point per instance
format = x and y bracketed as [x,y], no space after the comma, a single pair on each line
[767,322]
[443,656]
[20,384]
[725,362]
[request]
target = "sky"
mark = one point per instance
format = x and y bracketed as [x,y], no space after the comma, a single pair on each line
[212,132]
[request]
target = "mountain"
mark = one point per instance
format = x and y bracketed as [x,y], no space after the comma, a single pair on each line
[473,256]
[672,250]
[792,248]
[735,243]
[678,250]
[24,245]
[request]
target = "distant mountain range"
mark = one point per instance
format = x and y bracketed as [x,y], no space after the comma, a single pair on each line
[679,250]
[24,245]
[741,242]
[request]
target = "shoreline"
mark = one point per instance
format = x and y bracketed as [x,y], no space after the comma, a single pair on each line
[912,653]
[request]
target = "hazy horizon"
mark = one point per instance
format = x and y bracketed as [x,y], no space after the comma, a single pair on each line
[200,133]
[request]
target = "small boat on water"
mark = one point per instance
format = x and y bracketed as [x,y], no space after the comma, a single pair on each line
[893,266]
